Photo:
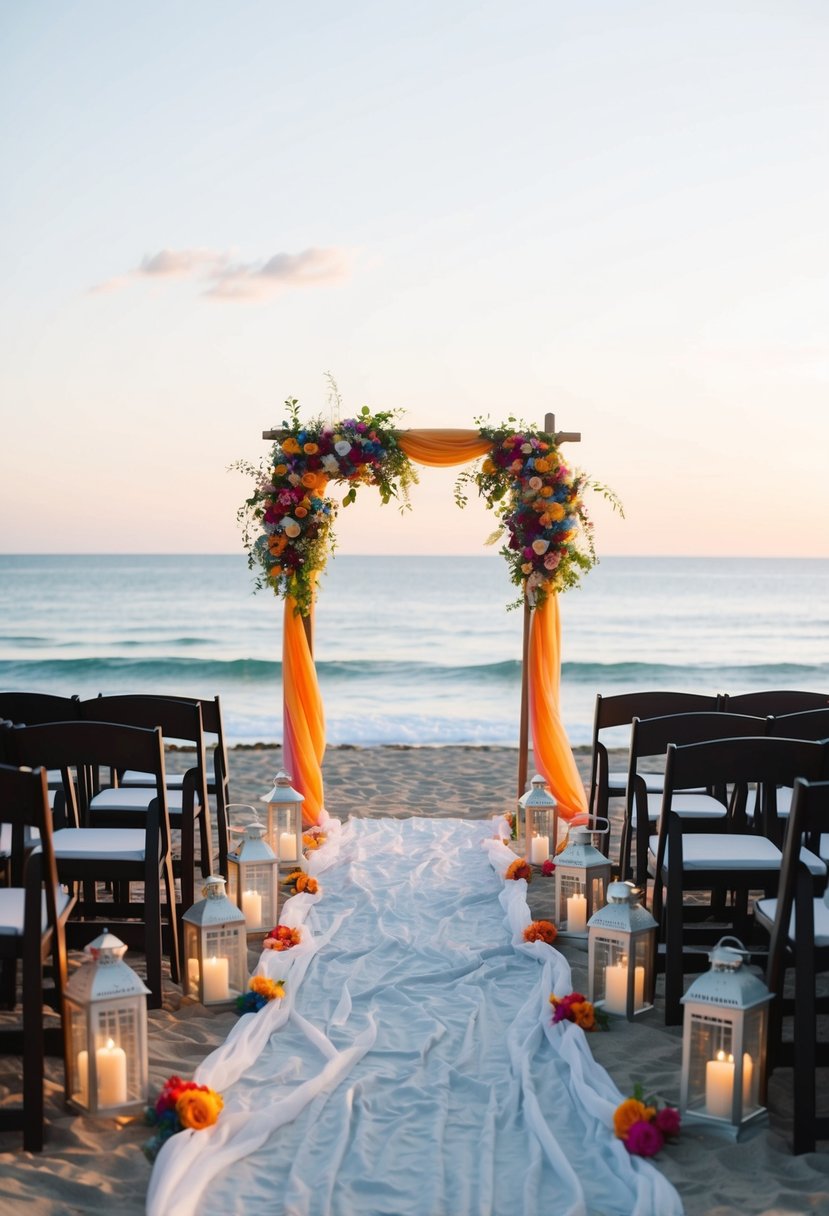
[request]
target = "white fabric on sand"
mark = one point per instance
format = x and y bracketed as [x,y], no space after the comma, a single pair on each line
[412,1069]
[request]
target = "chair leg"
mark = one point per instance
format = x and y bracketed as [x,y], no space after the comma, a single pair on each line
[673,955]
[172,920]
[33,1048]
[152,926]
[805,1029]
[205,842]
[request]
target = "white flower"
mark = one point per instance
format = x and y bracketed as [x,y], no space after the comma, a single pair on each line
[540,546]
[526,448]
[329,463]
[342,448]
[290,526]
[294,479]
[535,483]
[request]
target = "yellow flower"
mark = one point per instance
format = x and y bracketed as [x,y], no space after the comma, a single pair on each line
[542,466]
[488,466]
[556,511]
[290,446]
[280,470]
[546,491]
[199,1108]
[527,568]
[629,1112]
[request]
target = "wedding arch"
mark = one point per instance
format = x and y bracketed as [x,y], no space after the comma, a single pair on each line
[538,501]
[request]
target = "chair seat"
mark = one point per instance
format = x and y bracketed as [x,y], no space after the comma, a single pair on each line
[12,905]
[688,806]
[173,781]
[721,851]
[823,848]
[783,800]
[618,782]
[133,799]
[118,844]
[766,910]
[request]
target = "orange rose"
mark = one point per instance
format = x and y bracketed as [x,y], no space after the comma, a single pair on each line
[290,446]
[276,544]
[300,512]
[629,1112]
[556,511]
[199,1108]
[310,449]
[584,1015]
[309,480]
[546,491]
[280,470]
[542,466]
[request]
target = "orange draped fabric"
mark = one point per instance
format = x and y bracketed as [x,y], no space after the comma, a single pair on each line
[303,715]
[552,753]
[443,447]
[303,718]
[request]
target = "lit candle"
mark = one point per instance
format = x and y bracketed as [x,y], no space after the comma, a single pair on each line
[748,1073]
[216,979]
[540,850]
[252,908]
[719,1085]
[616,987]
[287,847]
[576,913]
[193,972]
[111,1064]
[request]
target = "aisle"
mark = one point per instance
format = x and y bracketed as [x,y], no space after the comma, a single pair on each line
[411,1069]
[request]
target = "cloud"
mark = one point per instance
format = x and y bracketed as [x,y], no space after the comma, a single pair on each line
[228,280]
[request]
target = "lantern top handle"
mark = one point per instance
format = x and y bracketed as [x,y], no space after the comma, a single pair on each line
[725,957]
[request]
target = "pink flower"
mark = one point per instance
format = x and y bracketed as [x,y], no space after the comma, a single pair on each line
[551,561]
[668,1121]
[644,1139]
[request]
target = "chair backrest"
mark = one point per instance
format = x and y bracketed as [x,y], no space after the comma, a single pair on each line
[810,724]
[808,820]
[741,762]
[89,746]
[34,708]
[24,803]
[651,736]
[767,702]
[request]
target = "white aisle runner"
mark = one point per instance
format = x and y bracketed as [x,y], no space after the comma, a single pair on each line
[412,1069]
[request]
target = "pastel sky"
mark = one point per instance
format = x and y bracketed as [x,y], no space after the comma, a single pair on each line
[614,210]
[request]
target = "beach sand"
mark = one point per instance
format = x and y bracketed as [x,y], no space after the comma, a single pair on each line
[91,1165]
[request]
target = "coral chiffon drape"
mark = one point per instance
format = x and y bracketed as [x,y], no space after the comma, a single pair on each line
[303,716]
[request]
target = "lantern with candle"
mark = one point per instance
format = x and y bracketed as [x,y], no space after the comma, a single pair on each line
[106,1033]
[621,953]
[215,947]
[284,831]
[724,1037]
[253,879]
[537,823]
[582,876]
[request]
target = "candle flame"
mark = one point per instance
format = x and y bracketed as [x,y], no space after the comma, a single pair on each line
[720,1055]
[110,1044]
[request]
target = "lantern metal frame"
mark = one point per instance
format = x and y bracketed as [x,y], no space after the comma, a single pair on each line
[284,826]
[214,930]
[253,869]
[537,819]
[622,936]
[724,1044]
[581,870]
[105,1009]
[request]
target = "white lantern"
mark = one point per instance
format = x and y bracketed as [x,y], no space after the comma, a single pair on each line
[621,953]
[582,876]
[106,1033]
[253,880]
[537,822]
[284,832]
[724,1036]
[215,947]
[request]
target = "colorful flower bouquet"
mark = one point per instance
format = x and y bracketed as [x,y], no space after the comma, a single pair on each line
[261,992]
[314,838]
[181,1106]
[519,869]
[541,931]
[298,881]
[576,1008]
[283,937]
[643,1126]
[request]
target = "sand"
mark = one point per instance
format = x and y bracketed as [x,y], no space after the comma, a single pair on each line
[92,1165]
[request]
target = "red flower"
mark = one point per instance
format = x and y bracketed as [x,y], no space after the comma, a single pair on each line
[548,867]
[668,1121]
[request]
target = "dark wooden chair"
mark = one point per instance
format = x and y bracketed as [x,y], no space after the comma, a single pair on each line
[798,925]
[725,858]
[775,702]
[649,738]
[187,804]
[809,724]
[109,852]
[35,708]
[33,912]
[618,711]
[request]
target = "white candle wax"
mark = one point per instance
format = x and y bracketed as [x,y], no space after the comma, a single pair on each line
[216,979]
[719,1086]
[576,913]
[540,849]
[287,846]
[83,1078]
[111,1063]
[252,908]
[193,972]
[748,1073]
[616,987]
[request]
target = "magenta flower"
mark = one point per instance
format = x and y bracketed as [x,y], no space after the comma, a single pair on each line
[644,1139]
[668,1121]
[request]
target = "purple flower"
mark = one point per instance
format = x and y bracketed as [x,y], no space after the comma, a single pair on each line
[668,1121]
[644,1139]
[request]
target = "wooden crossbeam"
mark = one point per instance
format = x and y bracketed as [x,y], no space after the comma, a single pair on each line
[549,429]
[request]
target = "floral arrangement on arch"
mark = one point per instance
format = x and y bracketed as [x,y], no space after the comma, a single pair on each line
[539,503]
[287,523]
[181,1106]
[643,1126]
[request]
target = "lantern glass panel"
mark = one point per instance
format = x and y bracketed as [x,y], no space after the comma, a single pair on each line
[258,898]
[642,949]
[223,943]
[606,952]
[598,887]
[711,1063]
[79,1050]
[569,883]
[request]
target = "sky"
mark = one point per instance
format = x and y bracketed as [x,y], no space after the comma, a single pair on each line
[613,210]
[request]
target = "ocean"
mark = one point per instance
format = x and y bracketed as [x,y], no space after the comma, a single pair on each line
[410,650]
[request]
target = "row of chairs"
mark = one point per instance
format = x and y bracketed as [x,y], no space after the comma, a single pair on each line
[86,803]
